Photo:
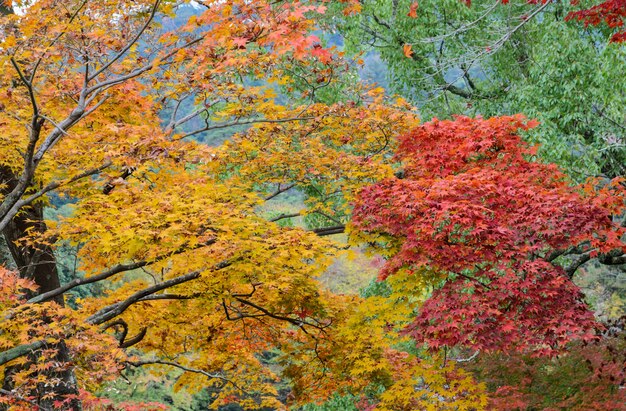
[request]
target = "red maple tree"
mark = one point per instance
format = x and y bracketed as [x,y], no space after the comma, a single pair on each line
[480,224]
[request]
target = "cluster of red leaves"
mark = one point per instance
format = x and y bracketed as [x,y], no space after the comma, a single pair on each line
[532,306]
[589,377]
[95,356]
[611,12]
[473,207]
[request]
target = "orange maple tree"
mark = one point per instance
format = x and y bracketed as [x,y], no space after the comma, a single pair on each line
[198,276]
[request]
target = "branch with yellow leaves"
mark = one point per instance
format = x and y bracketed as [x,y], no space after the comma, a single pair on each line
[119,268]
[207,374]
[111,311]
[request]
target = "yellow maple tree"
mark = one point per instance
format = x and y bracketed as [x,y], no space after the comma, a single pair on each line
[102,106]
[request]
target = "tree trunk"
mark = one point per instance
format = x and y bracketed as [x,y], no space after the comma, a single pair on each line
[40,266]
[37,264]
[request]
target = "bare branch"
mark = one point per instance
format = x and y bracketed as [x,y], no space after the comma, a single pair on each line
[16,352]
[468,359]
[463,28]
[572,268]
[279,191]
[177,123]
[615,257]
[129,44]
[134,340]
[169,297]
[324,231]
[59,131]
[185,368]
[283,216]
[29,87]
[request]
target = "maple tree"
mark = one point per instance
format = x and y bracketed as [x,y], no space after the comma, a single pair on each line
[481,225]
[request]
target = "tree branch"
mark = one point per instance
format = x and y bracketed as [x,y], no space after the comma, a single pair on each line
[120,268]
[56,184]
[299,322]
[279,191]
[283,216]
[139,71]
[20,350]
[185,368]
[324,231]
[129,44]
[111,311]
[572,268]
[29,87]
[242,123]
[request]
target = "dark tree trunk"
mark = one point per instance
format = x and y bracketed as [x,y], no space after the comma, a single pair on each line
[37,264]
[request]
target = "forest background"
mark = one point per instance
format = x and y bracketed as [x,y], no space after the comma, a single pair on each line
[247,206]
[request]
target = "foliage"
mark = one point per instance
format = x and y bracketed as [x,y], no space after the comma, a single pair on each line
[587,377]
[477,223]
[611,12]
[194,277]
[494,59]
[101,103]
[94,355]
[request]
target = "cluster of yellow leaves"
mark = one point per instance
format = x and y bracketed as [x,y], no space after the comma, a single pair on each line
[358,356]
[332,153]
[431,385]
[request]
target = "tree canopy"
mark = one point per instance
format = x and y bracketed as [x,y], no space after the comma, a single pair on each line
[178,177]
[501,58]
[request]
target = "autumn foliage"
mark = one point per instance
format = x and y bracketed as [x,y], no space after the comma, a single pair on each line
[611,12]
[590,377]
[105,114]
[477,221]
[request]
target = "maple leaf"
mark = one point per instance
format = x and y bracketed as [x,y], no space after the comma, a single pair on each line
[240,41]
[413,10]
[407,49]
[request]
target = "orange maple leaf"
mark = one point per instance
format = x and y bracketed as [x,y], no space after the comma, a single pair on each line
[413,10]
[407,50]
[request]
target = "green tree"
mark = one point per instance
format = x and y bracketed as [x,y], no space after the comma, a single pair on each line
[493,59]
